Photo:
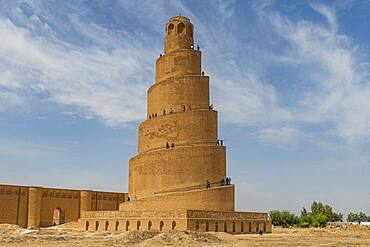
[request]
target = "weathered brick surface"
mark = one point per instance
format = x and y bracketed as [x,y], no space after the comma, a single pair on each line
[35,206]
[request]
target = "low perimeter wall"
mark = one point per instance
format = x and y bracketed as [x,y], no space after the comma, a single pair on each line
[41,207]
[161,220]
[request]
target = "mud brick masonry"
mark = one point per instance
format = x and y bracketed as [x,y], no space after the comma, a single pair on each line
[177,179]
[35,207]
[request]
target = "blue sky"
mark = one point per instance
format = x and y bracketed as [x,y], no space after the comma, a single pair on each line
[290,80]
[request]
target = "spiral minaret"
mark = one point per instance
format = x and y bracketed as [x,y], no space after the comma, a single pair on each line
[177,179]
[178,149]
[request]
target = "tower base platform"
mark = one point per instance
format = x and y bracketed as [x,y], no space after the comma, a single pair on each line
[178,219]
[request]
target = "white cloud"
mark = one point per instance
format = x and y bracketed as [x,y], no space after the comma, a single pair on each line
[282,135]
[106,84]
[8,100]
[245,100]
[226,8]
[339,91]
[108,80]
[327,12]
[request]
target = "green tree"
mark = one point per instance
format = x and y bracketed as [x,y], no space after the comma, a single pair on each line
[357,217]
[319,216]
[352,217]
[319,208]
[306,219]
[319,220]
[283,218]
[304,212]
[336,217]
[362,217]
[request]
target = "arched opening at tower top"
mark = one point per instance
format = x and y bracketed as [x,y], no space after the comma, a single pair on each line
[180,28]
[170,29]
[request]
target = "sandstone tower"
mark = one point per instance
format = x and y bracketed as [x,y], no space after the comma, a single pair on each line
[177,179]
[177,143]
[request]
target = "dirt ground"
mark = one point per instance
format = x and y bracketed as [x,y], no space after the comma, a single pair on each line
[11,235]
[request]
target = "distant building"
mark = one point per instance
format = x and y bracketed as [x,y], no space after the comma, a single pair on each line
[345,224]
[338,224]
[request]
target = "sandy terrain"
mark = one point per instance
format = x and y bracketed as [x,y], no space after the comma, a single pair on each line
[11,235]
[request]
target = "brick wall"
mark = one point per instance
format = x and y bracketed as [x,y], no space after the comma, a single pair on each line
[35,206]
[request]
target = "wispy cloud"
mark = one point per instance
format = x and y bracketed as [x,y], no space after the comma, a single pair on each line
[107,77]
[99,81]
[108,80]
[246,100]
[339,91]
[9,100]
[226,8]
[327,12]
[278,135]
